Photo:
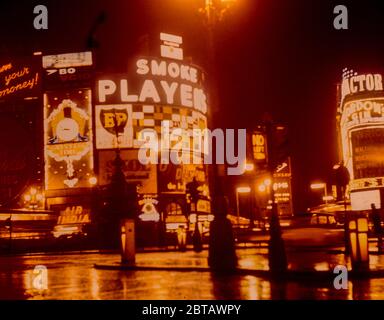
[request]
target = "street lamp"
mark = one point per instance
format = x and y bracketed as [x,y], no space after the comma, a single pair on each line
[248,167]
[262,187]
[34,199]
[92,181]
[319,186]
[240,190]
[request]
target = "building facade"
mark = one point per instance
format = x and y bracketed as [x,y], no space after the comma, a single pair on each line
[361,127]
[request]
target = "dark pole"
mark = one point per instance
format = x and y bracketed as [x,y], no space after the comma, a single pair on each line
[8,224]
[276,248]
[222,253]
[252,196]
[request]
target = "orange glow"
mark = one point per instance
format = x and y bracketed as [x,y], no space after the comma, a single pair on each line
[92,180]
[315,186]
[267,182]
[262,188]
[243,189]
[150,216]
[39,197]
[328,198]
[249,167]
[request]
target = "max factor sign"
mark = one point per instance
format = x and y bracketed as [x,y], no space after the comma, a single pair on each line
[359,83]
[164,82]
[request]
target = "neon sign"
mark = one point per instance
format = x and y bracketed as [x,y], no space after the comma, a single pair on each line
[362,134]
[164,83]
[354,83]
[18,78]
[259,146]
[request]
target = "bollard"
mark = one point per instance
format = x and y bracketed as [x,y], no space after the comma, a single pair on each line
[358,243]
[182,238]
[128,250]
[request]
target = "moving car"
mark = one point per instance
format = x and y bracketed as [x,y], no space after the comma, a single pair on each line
[316,230]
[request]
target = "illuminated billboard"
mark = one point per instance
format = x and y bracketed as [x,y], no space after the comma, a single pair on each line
[68,70]
[133,170]
[361,120]
[20,79]
[156,81]
[114,126]
[68,139]
[282,186]
[173,178]
[259,147]
[157,95]
[363,200]
[368,153]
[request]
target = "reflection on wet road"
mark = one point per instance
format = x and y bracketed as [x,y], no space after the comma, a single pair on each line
[72,276]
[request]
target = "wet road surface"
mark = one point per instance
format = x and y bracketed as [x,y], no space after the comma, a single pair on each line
[72,276]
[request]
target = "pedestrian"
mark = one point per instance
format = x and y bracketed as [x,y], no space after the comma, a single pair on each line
[376,219]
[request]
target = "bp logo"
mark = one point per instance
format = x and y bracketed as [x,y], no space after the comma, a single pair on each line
[114,120]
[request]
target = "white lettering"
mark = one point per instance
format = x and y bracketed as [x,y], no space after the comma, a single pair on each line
[106,87]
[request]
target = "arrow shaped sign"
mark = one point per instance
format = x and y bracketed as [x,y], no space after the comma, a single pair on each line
[51,71]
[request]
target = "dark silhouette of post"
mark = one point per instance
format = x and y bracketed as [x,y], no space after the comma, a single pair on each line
[376,219]
[194,194]
[341,175]
[222,252]
[222,255]
[276,248]
[121,204]
[8,225]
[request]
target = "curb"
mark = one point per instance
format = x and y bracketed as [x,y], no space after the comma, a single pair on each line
[289,275]
[118,266]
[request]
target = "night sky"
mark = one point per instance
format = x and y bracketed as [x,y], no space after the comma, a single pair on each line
[278,56]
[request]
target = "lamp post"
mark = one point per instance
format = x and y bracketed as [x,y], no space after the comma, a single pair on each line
[277,257]
[222,254]
[213,12]
[238,191]
[342,177]
[249,170]
[321,186]
[34,199]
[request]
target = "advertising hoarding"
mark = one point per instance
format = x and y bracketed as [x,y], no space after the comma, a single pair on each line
[368,153]
[362,200]
[155,81]
[68,70]
[68,139]
[282,185]
[133,170]
[259,147]
[113,126]
[20,79]
[173,178]
[361,116]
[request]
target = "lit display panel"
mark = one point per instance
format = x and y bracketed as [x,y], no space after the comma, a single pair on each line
[68,139]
